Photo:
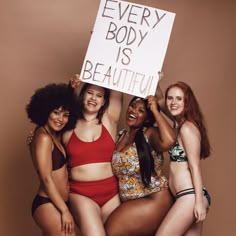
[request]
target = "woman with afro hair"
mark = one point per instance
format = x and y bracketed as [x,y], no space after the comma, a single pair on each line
[51,108]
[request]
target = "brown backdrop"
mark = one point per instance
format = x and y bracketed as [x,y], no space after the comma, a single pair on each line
[45,41]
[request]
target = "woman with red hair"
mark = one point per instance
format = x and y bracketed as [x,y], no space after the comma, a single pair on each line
[187,214]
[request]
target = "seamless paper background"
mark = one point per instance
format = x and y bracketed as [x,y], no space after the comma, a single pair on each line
[46,41]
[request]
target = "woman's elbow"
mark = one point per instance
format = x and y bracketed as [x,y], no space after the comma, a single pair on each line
[170,142]
[167,145]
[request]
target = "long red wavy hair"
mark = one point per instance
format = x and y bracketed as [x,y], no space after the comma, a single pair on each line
[192,113]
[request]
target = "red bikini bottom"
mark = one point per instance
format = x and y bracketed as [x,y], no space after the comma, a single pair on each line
[100,191]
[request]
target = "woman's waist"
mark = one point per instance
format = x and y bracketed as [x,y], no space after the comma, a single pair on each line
[62,190]
[179,166]
[132,189]
[137,193]
[135,178]
[180,181]
[91,172]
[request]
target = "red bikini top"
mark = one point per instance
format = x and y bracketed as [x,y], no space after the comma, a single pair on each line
[81,153]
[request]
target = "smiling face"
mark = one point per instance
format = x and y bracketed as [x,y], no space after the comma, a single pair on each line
[136,114]
[175,101]
[93,98]
[57,119]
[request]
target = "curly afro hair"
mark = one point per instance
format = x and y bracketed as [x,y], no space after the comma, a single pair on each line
[46,99]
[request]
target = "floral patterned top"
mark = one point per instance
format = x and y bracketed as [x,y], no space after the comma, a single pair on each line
[126,167]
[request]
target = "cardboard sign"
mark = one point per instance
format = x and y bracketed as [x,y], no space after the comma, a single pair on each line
[127,47]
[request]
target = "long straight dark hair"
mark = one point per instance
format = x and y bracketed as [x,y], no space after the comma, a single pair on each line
[146,161]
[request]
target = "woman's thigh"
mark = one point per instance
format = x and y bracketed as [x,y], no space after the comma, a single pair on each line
[140,216]
[180,217]
[87,214]
[109,207]
[48,218]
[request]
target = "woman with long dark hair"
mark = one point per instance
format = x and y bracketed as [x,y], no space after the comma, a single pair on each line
[138,164]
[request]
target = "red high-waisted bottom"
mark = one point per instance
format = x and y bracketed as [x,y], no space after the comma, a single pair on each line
[100,191]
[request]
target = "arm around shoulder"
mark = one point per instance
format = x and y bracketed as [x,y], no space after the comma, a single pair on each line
[66,137]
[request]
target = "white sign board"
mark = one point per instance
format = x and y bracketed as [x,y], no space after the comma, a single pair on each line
[127,47]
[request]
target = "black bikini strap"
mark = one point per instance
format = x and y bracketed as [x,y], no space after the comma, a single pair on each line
[49,134]
[184,192]
[46,130]
[120,135]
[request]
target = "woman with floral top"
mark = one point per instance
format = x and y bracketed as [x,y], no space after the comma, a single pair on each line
[138,164]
